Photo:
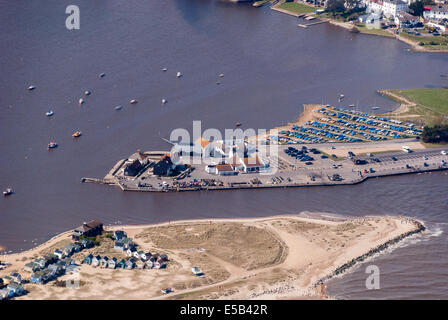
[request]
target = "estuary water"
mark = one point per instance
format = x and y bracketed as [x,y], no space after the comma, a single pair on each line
[271,69]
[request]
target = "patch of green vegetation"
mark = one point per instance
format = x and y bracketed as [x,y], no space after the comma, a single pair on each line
[345,16]
[436,134]
[260,3]
[296,7]
[430,42]
[376,31]
[435,99]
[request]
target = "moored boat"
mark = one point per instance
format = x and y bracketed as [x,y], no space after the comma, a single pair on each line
[87,92]
[164,101]
[179,75]
[102,75]
[133,101]
[52,145]
[31,88]
[118,107]
[81,101]
[77,134]
[238,124]
[49,113]
[8,192]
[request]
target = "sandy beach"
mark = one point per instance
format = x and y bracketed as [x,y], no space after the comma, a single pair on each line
[281,257]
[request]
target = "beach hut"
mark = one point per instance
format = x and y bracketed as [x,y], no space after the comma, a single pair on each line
[96,261]
[119,246]
[130,251]
[88,259]
[140,265]
[119,234]
[130,264]
[103,262]
[121,264]
[112,263]
[145,256]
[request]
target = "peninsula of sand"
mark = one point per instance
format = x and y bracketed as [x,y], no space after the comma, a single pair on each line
[280,257]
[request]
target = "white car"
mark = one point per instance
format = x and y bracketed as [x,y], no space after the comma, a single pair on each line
[443,152]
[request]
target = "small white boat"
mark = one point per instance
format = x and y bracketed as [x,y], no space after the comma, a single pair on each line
[8,192]
[31,88]
[164,69]
[221,75]
[351,106]
[87,92]
[341,96]
[118,107]
[133,101]
[102,75]
[164,101]
[179,75]
[49,113]
[52,145]
[375,108]
[81,101]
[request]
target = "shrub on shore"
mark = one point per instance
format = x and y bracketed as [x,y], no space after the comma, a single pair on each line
[436,134]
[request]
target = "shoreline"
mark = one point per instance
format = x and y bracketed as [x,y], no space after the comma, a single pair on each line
[344,268]
[377,234]
[349,26]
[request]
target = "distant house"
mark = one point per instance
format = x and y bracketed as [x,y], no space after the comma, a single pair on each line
[15,289]
[77,247]
[68,250]
[31,267]
[58,253]
[436,13]
[103,262]
[96,261]
[196,271]
[56,269]
[86,243]
[119,246]
[221,169]
[130,263]
[156,265]
[88,229]
[127,242]
[51,258]
[7,280]
[133,168]
[4,294]
[138,254]
[163,257]
[112,263]
[1,282]
[145,256]
[165,167]
[88,259]
[253,164]
[41,262]
[119,234]
[140,264]
[37,277]
[16,277]
[404,19]
[130,251]
[121,264]
[149,264]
